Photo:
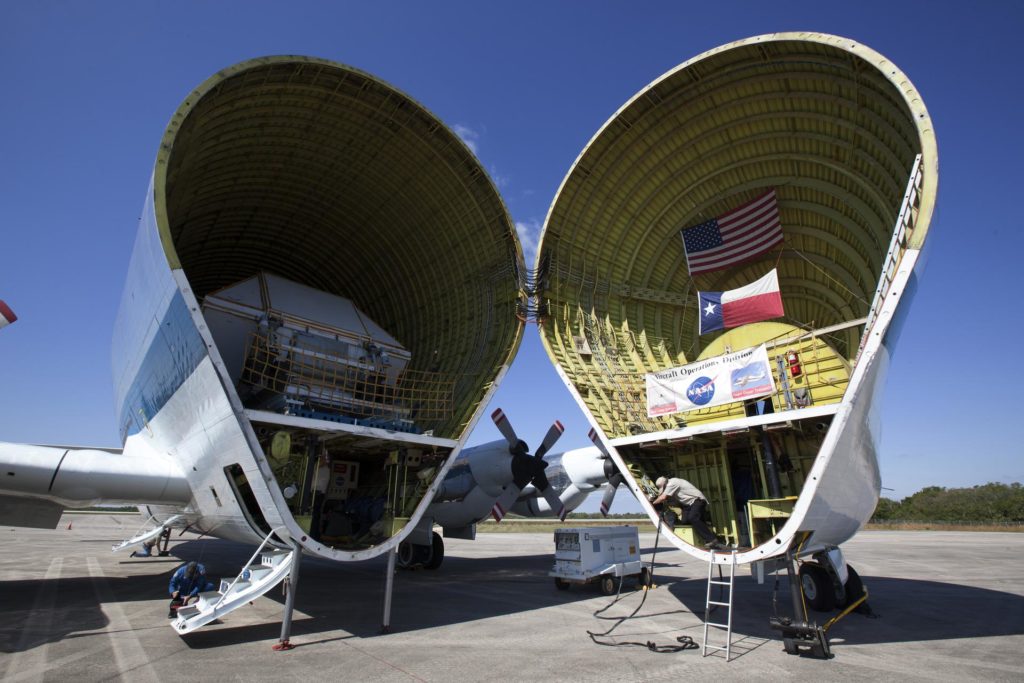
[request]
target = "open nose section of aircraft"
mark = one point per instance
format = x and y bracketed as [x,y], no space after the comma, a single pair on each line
[354,269]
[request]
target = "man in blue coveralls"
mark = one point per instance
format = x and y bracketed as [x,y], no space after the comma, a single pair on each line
[187,583]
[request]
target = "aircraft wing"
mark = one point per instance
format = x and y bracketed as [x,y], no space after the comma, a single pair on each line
[38,482]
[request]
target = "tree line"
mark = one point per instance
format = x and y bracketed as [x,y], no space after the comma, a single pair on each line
[984,504]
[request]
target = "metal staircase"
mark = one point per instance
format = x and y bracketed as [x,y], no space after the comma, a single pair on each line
[252,582]
[727,626]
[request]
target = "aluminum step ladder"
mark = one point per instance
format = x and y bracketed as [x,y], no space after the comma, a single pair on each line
[147,534]
[252,582]
[709,603]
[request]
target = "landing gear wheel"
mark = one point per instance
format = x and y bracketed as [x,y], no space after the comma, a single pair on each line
[645,578]
[608,585]
[561,584]
[854,588]
[817,587]
[406,557]
[437,552]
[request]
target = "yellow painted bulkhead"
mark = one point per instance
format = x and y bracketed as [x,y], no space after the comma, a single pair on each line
[837,131]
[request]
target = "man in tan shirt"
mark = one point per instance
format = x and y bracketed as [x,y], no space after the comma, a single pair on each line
[680,492]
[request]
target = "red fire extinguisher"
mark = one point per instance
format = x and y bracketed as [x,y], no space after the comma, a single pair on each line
[793,361]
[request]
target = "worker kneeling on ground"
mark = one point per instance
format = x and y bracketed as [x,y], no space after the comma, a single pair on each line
[187,583]
[680,492]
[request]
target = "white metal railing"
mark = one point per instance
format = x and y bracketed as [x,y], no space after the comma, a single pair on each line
[143,536]
[266,540]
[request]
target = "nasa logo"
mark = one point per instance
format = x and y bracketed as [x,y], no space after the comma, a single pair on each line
[701,391]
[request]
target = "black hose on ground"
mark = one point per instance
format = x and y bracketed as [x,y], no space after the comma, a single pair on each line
[683,642]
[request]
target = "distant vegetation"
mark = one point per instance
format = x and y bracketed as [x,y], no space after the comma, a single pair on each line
[990,504]
[592,515]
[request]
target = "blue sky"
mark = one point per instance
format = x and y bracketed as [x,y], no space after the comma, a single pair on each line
[88,88]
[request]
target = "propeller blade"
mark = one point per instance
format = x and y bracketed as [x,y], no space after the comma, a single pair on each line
[609,494]
[526,469]
[505,502]
[549,439]
[515,444]
[556,503]
[597,442]
[546,490]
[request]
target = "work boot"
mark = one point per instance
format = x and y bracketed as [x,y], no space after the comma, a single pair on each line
[713,545]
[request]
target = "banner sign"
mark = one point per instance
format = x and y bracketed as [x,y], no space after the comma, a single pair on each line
[711,382]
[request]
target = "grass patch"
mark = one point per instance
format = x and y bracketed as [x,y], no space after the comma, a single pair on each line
[515,526]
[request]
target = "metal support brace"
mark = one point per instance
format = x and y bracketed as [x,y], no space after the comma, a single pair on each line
[389,582]
[795,590]
[797,632]
[163,542]
[771,465]
[291,584]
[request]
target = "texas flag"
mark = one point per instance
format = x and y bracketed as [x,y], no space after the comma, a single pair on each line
[6,315]
[757,301]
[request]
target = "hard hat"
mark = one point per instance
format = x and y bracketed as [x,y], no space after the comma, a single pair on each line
[661,482]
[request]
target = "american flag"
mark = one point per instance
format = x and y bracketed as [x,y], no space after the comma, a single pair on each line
[740,235]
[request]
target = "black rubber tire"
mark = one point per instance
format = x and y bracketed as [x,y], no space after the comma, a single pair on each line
[437,552]
[819,593]
[405,558]
[645,578]
[608,585]
[561,584]
[854,588]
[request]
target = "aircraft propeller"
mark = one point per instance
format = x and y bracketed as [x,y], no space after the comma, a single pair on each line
[526,469]
[611,471]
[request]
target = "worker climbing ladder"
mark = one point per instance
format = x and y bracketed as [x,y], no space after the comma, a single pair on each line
[709,604]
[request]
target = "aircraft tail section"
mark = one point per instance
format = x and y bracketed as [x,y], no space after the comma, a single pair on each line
[38,482]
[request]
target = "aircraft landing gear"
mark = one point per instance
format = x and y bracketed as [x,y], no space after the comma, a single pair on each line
[415,556]
[292,583]
[817,586]
[798,633]
[163,542]
[389,582]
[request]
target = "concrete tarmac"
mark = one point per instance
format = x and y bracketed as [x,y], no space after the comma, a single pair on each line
[950,606]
